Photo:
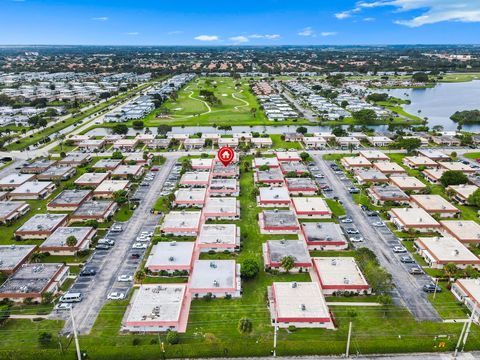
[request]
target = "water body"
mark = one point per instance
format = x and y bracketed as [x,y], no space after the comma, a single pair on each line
[440,102]
[437,103]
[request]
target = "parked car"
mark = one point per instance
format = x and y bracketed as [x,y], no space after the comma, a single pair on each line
[135,256]
[399,249]
[378,224]
[138,245]
[351,231]
[430,288]
[116,296]
[125,278]
[357,238]
[63,306]
[371,213]
[88,272]
[415,270]
[407,259]
[102,247]
[347,220]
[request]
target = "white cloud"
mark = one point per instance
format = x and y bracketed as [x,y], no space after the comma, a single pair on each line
[175,32]
[206,38]
[328,33]
[101,18]
[266,36]
[308,31]
[239,39]
[343,15]
[133,33]
[431,11]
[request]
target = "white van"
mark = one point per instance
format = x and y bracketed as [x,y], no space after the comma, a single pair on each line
[71,297]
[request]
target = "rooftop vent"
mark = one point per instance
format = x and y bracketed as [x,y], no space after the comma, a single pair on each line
[294,285]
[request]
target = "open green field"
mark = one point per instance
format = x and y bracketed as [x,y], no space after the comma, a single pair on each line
[234,107]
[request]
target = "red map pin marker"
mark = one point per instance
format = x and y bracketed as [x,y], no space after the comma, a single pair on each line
[226,155]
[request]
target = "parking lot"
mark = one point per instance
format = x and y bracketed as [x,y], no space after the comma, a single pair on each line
[111,262]
[380,239]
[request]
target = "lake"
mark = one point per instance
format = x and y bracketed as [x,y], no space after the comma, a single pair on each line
[440,102]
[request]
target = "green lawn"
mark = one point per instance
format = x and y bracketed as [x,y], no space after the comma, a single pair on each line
[278,143]
[336,207]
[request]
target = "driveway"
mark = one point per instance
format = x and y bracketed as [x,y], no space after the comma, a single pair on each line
[116,261]
[408,288]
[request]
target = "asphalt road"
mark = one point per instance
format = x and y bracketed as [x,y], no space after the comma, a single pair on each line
[117,261]
[408,288]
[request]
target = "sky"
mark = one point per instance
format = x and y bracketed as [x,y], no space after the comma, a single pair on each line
[247,22]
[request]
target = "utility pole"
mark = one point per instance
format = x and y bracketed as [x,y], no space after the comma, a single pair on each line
[435,291]
[467,332]
[77,345]
[348,339]
[459,340]
[275,336]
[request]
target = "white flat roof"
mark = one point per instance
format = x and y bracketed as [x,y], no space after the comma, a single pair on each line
[276,193]
[33,187]
[356,161]
[195,177]
[388,166]
[219,205]
[112,185]
[338,271]
[16,179]
[472,287]
[257,162]
[190,194]
[182,219]
[92,178]
[463,230]
[171,254]
[156,303]
[373,155]
[196,162]
[447,249]
[464,190]
[310,203]
[12,255]
[218,234]
[299,300]
[420,160]
[406,182]
[60,235]
[414,217]
[456,166]
[433,203]
[213,274]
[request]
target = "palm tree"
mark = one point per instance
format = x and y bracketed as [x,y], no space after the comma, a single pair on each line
[140,276]
[287,263]
[36,257]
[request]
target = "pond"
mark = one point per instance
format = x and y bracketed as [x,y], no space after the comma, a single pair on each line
[440,102]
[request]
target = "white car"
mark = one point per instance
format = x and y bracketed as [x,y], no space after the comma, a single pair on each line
[125,278]
[357,238]
[138,245]
[116,296]
[378,224]
[63,306]
[142,239]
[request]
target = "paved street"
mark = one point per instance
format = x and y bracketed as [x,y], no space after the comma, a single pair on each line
[408,288]
[116,261]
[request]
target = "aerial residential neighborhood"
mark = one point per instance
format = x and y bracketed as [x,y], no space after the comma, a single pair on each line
[268,179]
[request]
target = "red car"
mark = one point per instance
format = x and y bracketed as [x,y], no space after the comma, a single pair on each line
[154,169]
